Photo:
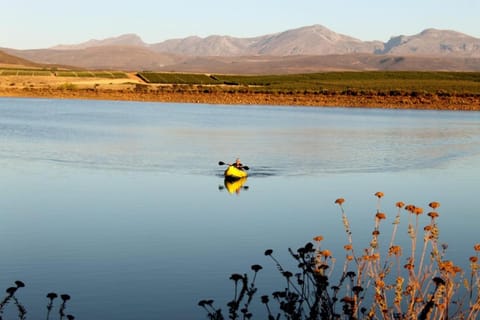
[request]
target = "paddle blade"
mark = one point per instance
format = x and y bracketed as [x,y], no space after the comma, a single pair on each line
[221,163]
[245,168]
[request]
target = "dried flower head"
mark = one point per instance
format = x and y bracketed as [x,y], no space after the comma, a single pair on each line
[476,247]
[400,204]
[52,295]
[410,208]
[236,277]
[434,204]
[379,284]
[65,297]
[380,215]
[357,289]
[433,214]
[347,247]
[379,194]
[449,267]
[408,290]
[409,266]
[256,267]
[326,253]
[318,238]
[418,211]
[340,201]
[395,250]
[438,281]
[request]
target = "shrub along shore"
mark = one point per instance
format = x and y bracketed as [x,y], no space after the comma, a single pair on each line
[400,90]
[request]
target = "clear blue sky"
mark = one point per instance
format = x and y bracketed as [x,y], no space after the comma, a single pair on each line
[26,24]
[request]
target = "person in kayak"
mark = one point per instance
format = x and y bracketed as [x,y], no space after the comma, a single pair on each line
[238,164]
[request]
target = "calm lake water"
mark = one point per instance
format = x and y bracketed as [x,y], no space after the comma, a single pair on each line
[123,206]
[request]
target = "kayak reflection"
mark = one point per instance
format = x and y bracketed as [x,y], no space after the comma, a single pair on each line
[234,185]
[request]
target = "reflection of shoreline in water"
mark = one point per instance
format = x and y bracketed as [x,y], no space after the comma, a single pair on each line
[234,185]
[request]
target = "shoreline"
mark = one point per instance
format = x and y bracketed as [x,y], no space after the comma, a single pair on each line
[169,94]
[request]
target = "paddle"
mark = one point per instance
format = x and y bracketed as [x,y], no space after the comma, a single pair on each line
[221,163]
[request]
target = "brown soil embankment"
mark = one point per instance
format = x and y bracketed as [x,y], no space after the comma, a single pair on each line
[136,91]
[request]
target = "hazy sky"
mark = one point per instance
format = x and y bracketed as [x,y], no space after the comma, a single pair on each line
[26,24]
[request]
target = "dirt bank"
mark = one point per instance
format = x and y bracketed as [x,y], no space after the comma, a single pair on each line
[133,90]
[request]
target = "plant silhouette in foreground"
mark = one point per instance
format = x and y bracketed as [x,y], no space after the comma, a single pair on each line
[384,280]
[21,310]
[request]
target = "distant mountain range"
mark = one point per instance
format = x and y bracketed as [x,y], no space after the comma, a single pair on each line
[306,49]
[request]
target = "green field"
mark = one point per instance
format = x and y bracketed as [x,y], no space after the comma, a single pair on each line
[177,78]
[350,83]
[24,72]
[335,82]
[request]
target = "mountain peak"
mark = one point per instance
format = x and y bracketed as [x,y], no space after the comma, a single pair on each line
[129,39]
[431,42]
[436,32]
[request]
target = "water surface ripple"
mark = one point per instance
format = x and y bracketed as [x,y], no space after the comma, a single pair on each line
[123,205]
[190,139]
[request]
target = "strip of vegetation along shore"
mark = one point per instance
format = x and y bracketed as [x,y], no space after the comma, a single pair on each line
[401,90]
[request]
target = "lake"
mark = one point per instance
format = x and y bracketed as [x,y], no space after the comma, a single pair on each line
[123,206]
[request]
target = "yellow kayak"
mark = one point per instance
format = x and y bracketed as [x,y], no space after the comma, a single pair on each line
[234,173]
[234,186]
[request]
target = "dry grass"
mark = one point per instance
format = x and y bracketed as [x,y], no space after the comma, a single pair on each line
[382,280]
[416,282]
[21,311]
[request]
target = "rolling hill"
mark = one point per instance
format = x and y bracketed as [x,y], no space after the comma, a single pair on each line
[111,57]
[8,60]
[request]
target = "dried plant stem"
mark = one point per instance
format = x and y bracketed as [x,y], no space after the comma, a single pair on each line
[396,222]
[422,257]
[427,290]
